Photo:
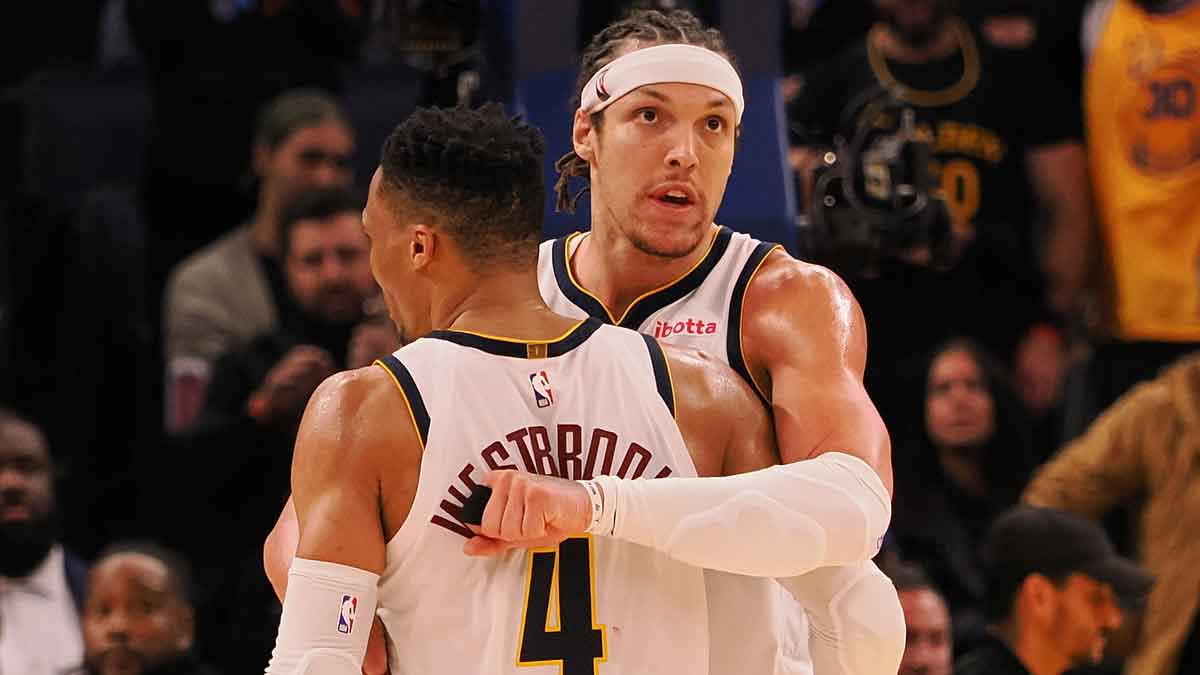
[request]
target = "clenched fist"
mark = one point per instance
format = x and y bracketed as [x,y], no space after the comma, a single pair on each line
[529,511]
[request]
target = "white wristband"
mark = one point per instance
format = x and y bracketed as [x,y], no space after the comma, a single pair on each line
[604,504]
[593,491]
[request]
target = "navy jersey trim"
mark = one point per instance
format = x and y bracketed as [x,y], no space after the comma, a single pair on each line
[412,395]
[662,372]
[521,349]
[645,306]
[648,305]
[562,275]
[733,344]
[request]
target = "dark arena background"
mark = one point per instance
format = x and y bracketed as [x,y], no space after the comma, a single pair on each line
[1009,188]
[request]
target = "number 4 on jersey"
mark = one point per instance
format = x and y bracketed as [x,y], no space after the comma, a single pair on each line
[577,644]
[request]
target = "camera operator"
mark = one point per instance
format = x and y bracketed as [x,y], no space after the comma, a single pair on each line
[1003,140]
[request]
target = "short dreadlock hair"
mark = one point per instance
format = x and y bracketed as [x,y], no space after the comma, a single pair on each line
[477,174]
[646,28]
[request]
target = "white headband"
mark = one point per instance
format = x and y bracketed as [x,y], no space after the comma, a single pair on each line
[688,64]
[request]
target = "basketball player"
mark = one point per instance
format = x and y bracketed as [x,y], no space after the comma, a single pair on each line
[793,331]
[654,135]
[386,456]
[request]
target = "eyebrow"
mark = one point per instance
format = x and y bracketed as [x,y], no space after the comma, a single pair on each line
[717,101]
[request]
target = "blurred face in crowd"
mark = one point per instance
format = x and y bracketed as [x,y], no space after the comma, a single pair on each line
[915,22]
[927,649]
[959,410]
[1079,614]
[659,164]
[328,270]
[388,223]
[26,499]
[316,156]
[134,618]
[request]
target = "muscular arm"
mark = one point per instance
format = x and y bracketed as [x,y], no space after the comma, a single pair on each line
[779,521]
[805,342]
[803,333]
[341,455]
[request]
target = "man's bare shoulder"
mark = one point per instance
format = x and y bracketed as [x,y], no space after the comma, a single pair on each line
[792,306]
[783,277]
[353,412]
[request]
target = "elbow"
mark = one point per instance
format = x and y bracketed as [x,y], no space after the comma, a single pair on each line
[856,617]
[877,619]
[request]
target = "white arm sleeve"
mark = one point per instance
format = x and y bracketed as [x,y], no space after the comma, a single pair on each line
[856,624]
[327,616]
[781,521]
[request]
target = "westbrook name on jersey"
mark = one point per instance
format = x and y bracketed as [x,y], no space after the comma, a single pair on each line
[598,400]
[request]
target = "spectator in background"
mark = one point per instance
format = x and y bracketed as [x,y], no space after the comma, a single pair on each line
[997,124]
[1142,453]
[963,460]
[254,405]
[41,585]
[138,619]
[928,649]
[1143,121]
[1049,29]
[1055,590]
[233,289]
[213,65]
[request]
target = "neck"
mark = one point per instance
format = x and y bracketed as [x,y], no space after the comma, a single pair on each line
[962,465]
[1036,651]
[508,304]
[943,44]
[610,267]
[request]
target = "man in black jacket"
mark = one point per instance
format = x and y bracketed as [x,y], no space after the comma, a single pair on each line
[1056,589]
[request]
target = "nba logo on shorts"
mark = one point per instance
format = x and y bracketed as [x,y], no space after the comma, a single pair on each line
[541,389]
[346,615]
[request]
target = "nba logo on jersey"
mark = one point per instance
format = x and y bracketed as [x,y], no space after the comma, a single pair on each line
[541,389]
[346,615]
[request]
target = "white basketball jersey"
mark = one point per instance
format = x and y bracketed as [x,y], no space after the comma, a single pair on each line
[702,310]
[596,401]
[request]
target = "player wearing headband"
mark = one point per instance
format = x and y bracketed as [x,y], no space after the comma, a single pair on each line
[655,136]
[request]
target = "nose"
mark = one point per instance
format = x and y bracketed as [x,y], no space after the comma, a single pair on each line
[682,154]
[327,174]
[332,268]
[116,625]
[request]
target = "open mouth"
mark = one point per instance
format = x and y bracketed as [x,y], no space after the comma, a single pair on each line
[677,198]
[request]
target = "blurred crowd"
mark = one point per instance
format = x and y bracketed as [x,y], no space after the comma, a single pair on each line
[182,263]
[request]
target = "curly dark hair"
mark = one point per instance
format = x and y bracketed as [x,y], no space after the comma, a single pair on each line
[478,174]
[646,27]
